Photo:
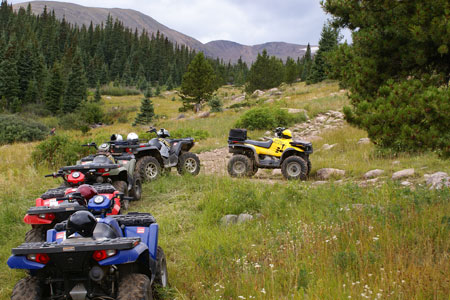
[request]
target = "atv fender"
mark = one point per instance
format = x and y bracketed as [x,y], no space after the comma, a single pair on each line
[125,256]
[21,262]
[149,151]
[244,149]
[291,151]
[148,235]
[182,146]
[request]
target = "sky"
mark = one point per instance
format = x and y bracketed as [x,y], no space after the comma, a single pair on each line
[247,22]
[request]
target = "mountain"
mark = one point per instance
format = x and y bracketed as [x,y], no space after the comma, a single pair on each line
[226,50]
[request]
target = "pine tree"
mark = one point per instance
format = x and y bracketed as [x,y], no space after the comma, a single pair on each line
[169,83]
[55,89]
[146,113]
[198,82]
[32,92]
[149,91]
[291,71]
[9,78]
[265,73]
[306,63]
[76,85]
[98,93]
[329,41]
[157,90]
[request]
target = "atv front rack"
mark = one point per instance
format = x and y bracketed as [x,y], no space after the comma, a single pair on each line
[122,243]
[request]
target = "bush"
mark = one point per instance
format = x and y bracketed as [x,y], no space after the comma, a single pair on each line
[216,104]
[59,150]
[88,113]
[112,90]
[197,134]
[15,129]
[268,118]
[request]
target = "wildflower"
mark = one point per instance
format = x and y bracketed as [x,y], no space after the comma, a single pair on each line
[263,291]
[326,241]
[257,265]
[403,281]
[241,297]
[271,265]
[358,242]
[217,290]
[349,297]
[343,285]
[375,238]
[334,237]
[370,275]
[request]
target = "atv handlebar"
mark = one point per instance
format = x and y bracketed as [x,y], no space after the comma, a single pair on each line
[55,174]
[93,144]
[151,130]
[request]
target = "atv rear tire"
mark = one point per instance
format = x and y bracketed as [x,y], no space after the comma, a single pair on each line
[149,168]
[135,287]
[122,187]
[308,162]
[36,234]
[28,288]
[161,277]
[188,163]
[136,191]
[240,166]
[294,168]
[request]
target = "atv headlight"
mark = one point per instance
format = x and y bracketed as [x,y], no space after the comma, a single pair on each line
[76,175]
[98,200]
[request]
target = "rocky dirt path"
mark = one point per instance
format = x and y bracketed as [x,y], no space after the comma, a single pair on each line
[215,161]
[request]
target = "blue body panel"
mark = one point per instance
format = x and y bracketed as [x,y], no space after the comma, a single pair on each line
[21,262]
[106,204]
[148,235]
[125,256]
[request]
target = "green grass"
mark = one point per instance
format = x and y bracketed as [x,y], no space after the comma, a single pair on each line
[325,242]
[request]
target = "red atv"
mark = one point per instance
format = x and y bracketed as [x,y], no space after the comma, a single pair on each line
[52,207]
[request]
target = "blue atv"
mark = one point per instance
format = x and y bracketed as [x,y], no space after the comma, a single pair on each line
[93,256]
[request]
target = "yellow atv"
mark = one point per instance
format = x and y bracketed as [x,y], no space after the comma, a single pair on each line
[281,152]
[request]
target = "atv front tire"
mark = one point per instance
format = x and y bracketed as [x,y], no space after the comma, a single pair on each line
[188,163]
[135,287]
[294,168]
[122,187]
[136,191]
[28,288]
[308,162]
[36,234]
[240,166]
[149,168]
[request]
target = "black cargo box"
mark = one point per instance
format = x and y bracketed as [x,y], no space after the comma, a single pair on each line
[237,135]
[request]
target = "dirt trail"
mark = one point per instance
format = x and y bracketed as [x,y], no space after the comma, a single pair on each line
[215,161]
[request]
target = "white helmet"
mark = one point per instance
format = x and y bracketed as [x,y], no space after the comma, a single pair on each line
[132,136]
[119,137]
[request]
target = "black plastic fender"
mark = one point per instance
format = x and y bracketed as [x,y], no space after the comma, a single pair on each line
[291,151]
[243,149]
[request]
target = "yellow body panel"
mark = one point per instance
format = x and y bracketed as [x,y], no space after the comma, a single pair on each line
[277,148]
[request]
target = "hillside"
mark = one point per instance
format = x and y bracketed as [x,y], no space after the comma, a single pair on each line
[227,50]
[348,236]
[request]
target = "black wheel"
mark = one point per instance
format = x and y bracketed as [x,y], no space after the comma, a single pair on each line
[254,170]
[294,167]
[36,234]
[28,288]
[308,162]
[240,166]
[122,187]
[188,163]
[148,168]
[135,287]
[161,277]
[136,191]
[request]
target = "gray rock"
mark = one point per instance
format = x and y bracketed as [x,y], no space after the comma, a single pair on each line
[268,133]
[373,173]
[326,173]
[321,119]
[364,141]
[269,101]
[238,99]
[181,116]
[403,174]
[328,147]
[229,219]
[273,91]
[259,216]
[204,114]
[406,183]
[319,182]
[396,162]
[244,218]
[438,180]
[258,93]
[276,172]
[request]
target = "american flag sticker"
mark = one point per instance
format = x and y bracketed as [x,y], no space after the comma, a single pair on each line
[141,230]
[60,235]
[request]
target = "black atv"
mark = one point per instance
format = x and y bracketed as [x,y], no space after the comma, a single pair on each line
[160,155]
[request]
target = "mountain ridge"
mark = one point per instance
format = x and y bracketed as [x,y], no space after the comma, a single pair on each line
[222,49]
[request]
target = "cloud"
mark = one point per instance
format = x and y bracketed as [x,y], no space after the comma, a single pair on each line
[247,22]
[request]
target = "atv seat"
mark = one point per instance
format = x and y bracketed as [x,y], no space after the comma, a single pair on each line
[266,144]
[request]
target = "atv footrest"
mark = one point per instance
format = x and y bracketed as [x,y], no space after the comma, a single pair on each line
[135,219]
[121,243]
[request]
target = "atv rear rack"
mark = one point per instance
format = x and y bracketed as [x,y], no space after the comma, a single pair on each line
[122,243]
[56,209]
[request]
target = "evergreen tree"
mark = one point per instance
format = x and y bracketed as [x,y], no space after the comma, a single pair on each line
[265,73]
[98,93]
[76,86]
[32,92]
[198,82]
[55,89]
[146,113]
[157,90]
[306,64]
[149,91]
[9,78]
[329,41]
[291,71]
[169,83]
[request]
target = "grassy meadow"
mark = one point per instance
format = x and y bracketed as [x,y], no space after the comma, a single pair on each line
[333,241]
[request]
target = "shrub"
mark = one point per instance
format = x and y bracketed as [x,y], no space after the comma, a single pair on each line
[15,129]
[88,113]
[216,104]
[268,118]
[113,90]
[59,150]
[197,134]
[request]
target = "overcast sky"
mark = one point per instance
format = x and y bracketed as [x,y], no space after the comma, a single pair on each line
[247,22]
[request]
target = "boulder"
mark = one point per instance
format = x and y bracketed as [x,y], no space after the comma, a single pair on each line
[327,173]
[244,218]
[229,219]
[373,173]
[403,174]
[438,180]
[204,114]
[258,93]
[406,183]
[321,119]
[319,182]
[273,91]
[364,141]
[328,147]
[276,172]
[238,99]
[181,116]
